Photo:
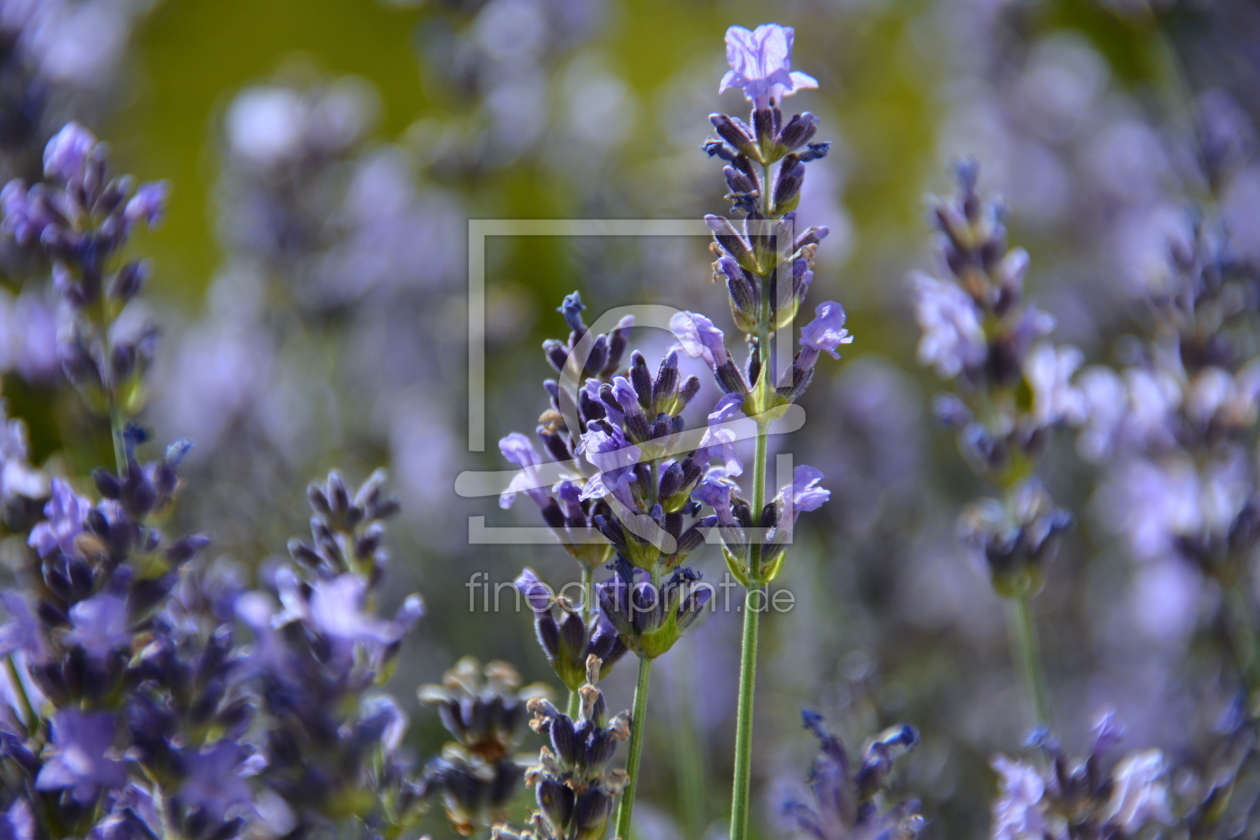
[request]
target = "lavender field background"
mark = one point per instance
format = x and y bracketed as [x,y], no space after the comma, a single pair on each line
[309,287]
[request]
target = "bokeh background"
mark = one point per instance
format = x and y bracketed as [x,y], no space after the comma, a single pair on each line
[310,282]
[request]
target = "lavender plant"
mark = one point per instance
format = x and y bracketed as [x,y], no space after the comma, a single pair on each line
[477,776]
[573,784]
[845,806]
[1082,799]
[1012,391]
[132,706]
[635,505]
[82,218]
[767,269]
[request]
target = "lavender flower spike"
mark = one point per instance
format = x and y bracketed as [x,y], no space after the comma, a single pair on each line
[761,64]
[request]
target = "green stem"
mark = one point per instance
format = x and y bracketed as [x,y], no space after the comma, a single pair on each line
[638,719]
[1028,654]
[743,722]
[28,711]
[1242,635]
[688,751]
[741,786]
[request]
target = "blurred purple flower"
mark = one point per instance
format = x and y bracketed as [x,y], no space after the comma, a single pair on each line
[1140,795]
[65,513]
[761,64]
[336,610]
[1018,813]
[148,204]
[213,783]
[80,743]
[21,631]
[66,154]
[953,338]
[1049,370]
[100,625]
[18,823]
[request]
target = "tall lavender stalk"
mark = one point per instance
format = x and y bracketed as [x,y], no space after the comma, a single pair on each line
[1012,390]
[82,217]
[767,269]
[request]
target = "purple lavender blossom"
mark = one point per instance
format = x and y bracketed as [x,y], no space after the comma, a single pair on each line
[953,339]
[535,591]
[66,154]
[1140,795]
[21,632]
[614,457]
[64,514]
[719,441]
[336,610]
[18,823]
[81,741]
[100,625]
[148,204]
[804,491]
[699,338]
[717,491]
[1049,371]
[214,784]
[761,64]
[1018,812]
[520,451]
[826,331]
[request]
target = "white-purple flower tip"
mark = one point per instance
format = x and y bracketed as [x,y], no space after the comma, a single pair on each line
[66,153]
[520,451]
[698,337]
[148,204]
[826,331]
[806,494]
[761,64]
[535,591]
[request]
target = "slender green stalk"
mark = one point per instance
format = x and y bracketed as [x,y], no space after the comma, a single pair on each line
[1028,654]
[1242,635]
[688,751]
[743,722]
[638,720]
[741,786]
[19,688]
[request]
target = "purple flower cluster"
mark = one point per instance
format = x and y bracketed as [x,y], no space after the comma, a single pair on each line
[978,332]
[81,216]
[625,465]
[844,806]
[477,776]
[133,705]
[573,783]
[1082,799]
